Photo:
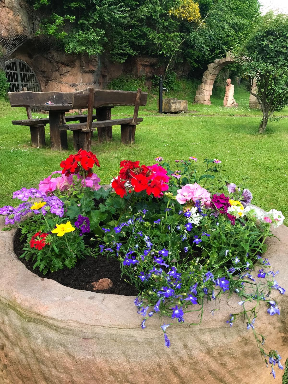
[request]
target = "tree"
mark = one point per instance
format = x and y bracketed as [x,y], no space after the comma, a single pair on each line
[171,30]
[266,61]
[227,23]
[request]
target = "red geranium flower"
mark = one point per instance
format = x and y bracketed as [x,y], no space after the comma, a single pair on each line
[139,182]
[83,160]
[38,240]
[119,187]
[154,187]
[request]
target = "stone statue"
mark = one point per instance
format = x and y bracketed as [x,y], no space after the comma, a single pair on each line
[229,100]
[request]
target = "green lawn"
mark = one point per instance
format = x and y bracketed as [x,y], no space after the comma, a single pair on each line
[257,162]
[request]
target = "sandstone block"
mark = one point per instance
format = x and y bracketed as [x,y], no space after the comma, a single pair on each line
[174,106]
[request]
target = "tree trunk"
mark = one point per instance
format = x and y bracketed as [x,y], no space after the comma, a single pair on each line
[264,120]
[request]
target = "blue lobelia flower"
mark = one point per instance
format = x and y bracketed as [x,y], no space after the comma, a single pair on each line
[193,289]
[196,241]
[166,292]
[230,321]
[160,261]
[143,311]
[208,276]
[117,229]
[167,341]
[142,276]
[177,314]
[192,299]
[164,327]
[128,261]
[156,306]
[261,273]
[164,252]
[251,325]
[273,310]
[188,227]
[223,283]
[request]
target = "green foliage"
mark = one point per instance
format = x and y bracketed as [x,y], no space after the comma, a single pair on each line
[4,85]
[125,28]
[128,83]
[267,62]
[285,376]
[227,23]
[58,252]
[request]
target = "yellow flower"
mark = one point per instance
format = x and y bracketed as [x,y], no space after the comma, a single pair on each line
[236,208]
[236,203]
[38,205]
[61,229]
[187,10]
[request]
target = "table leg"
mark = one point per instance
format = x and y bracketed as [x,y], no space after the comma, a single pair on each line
[58,138]
[104,133]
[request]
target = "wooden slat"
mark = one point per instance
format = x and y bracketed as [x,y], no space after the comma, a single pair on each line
[107,98]
[96,124]
[31,99]
[31,122]
[78,117]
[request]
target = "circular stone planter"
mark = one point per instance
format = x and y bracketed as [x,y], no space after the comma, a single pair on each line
[57,335]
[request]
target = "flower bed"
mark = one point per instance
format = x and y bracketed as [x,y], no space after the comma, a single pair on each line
[185,241]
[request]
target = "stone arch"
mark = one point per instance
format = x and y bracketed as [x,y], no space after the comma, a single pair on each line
[204,90]
[21,76]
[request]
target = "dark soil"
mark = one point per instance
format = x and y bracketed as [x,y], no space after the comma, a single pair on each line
[87,271]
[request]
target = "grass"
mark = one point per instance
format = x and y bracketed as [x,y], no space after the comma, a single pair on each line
[257,162]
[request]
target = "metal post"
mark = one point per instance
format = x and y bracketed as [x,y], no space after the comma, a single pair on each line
[160,93]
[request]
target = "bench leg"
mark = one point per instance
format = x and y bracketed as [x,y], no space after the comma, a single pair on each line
[82,140]
[128,134]
[37,136]
[104,134]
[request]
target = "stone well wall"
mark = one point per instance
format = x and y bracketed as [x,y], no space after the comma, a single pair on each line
[51,334]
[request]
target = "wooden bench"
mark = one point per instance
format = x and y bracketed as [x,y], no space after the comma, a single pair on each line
[103,101]
[57,103]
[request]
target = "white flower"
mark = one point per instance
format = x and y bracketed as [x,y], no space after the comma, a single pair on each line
[236,210]
[254,211]
[276,216]
[195,217]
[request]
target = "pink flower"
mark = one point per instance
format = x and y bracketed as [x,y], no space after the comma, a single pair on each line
[159,158]
[92,182]
[193,192]
[216,161]
[63,182]
[267,219]
[159,171]
[193,158]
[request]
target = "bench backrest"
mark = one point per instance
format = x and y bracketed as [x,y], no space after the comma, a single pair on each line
[77,100]
[104,98]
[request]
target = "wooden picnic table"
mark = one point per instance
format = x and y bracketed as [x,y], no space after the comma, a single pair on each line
[57,104]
